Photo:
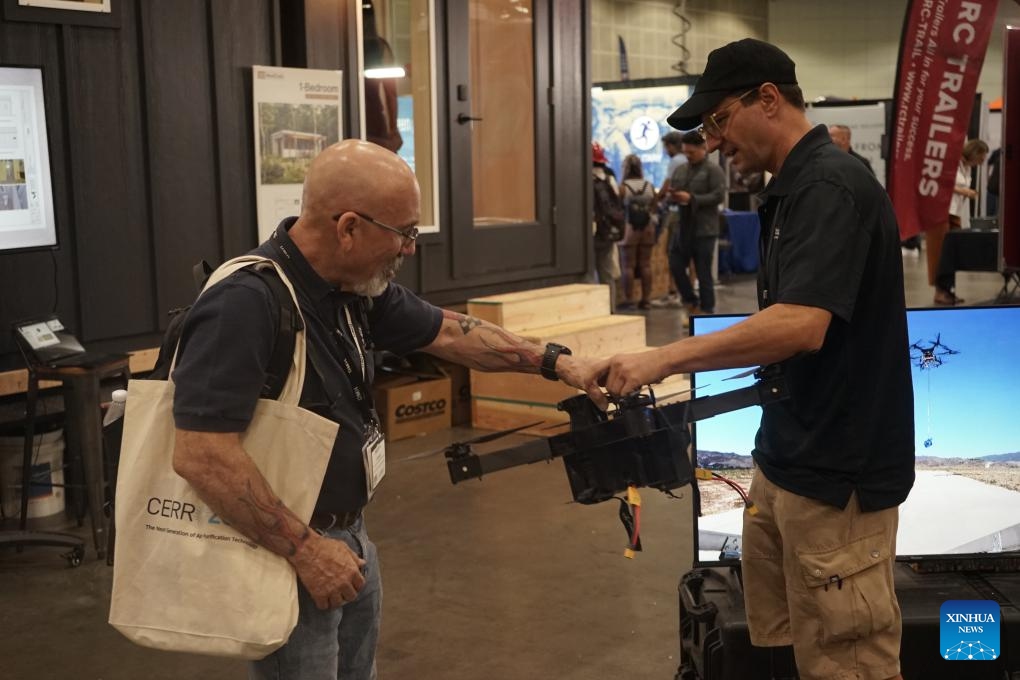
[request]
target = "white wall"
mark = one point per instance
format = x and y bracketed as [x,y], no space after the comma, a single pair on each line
[850,49]
[846,49]
[647,27]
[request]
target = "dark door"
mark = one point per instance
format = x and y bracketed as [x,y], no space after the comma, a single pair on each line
[500,156]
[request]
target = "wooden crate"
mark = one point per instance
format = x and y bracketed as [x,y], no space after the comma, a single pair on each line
[598,337]
[497,413]
[530,309]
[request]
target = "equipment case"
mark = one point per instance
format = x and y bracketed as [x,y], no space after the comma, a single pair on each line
[714,642]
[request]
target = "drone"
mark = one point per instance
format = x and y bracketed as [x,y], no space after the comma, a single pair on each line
[606,454]
[930,356]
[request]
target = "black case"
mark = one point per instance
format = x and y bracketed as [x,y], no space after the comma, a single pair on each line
[714,643]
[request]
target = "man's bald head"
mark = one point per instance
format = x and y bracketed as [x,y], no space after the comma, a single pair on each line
[840,136]
[360,176]
[349,186]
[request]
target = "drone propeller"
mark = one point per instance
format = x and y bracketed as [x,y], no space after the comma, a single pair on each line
[481,439]
[742,374]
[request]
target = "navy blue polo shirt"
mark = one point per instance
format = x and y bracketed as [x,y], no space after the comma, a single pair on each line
[227,341]
[829,239]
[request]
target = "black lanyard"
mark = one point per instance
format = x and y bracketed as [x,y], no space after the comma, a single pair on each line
[356,371]
[355,368]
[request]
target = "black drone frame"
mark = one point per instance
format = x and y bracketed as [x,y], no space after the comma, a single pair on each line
[637,444]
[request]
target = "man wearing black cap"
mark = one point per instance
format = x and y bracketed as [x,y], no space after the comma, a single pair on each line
[835,460]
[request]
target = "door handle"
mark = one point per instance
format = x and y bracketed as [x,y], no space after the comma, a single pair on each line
[464,118]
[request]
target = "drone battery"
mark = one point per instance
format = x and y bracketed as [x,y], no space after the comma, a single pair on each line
[656,457]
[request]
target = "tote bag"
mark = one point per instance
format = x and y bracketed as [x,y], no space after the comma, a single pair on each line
[182,579]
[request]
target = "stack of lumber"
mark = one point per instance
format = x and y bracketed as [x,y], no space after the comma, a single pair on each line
[575,315]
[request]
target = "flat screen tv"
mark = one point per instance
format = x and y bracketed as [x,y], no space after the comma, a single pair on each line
[966,497]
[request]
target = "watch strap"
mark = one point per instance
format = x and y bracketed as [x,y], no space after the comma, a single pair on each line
[552,353]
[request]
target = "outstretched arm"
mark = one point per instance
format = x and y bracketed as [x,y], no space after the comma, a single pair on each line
[484,346]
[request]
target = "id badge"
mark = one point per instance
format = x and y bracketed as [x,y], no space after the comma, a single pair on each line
[374,455]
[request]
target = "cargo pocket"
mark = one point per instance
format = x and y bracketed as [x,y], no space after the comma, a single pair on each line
[850,589]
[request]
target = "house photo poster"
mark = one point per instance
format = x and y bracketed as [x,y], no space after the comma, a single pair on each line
[297,115]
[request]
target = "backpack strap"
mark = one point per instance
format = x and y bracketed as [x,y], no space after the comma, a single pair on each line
[289,323]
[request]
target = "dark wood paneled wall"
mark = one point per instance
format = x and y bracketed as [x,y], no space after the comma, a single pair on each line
[150,127]
[151,146]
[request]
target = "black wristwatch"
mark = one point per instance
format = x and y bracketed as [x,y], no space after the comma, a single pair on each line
[552,353]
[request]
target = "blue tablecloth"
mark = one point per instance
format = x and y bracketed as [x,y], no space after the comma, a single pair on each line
[743,229]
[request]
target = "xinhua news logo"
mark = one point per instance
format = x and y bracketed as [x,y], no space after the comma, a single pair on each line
[969,630]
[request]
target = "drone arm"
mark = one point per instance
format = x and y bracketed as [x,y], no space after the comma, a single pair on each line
[760,393]
[473,466]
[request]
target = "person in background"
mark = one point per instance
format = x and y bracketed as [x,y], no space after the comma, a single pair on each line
[833,461]
[359,212]
[638,196]
[974,153]
[840,135]
[608,221]
[699,188]
[669,211]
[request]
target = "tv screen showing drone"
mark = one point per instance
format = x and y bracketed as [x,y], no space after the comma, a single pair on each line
[966,497]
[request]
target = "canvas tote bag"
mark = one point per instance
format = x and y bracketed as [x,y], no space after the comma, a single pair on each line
[182,579]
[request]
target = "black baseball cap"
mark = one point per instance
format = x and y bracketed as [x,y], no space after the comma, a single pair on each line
[739,65]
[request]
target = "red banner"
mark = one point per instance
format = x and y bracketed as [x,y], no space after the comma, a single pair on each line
[941,54]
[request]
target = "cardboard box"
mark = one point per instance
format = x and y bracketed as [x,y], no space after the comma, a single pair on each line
[460,390]
[412,405]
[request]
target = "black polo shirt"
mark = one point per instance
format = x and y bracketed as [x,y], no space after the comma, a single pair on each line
[227,341]
[829,239]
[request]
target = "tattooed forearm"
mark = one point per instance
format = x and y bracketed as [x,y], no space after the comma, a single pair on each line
[466,323]
[270,523]
[485,346]
[508,350]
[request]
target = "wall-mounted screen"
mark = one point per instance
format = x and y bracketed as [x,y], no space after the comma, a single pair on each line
[26,196]
[966,497]
[632,120]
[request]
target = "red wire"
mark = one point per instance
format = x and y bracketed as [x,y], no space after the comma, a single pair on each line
[736,487]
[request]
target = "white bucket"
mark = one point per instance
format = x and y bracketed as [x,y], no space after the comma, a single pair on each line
[47,468]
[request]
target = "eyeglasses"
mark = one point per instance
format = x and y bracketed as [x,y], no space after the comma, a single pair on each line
[409,235]
[713,126]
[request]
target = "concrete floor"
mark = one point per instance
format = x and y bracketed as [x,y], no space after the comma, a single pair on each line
[502,579]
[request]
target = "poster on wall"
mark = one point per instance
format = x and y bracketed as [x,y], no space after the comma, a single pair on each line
[632,120]
[297,115]
[75,5]
[26,196]
[867,123]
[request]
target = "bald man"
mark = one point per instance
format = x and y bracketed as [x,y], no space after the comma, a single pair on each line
[840,135]
[358,220]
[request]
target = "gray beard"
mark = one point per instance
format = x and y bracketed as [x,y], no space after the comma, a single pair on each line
[376,285]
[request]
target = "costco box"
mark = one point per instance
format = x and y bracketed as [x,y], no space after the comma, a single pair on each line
[412,405]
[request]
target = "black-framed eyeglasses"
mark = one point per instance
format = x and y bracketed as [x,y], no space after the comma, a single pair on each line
[409,235]
[713,126]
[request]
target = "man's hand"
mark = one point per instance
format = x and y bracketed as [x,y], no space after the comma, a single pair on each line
[329,570]
[682,197]
[584,374]
[627,373]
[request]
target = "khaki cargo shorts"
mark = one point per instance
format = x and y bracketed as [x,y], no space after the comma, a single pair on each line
[821,579]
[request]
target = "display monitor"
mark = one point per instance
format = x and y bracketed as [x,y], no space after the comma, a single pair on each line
[966,496]
[26,197]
